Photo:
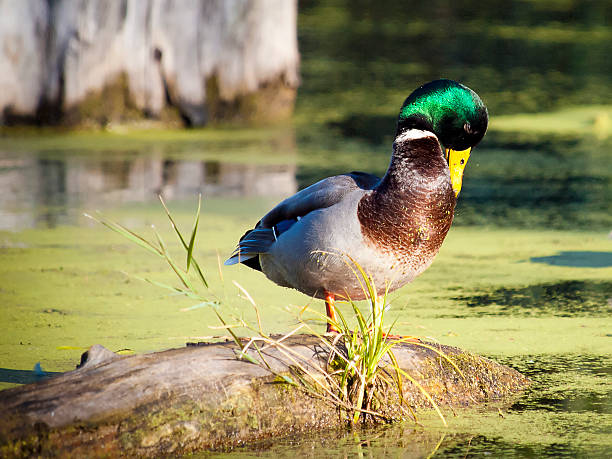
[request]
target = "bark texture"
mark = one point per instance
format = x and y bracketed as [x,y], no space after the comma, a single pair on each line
[203,397]
[74,61]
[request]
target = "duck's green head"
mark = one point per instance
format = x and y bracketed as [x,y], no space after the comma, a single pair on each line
[450,110]
[454,113]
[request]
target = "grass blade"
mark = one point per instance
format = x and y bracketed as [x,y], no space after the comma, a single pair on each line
[191,244]
[426,394]
[231,332]
[250,298]
[245,356]
[203,304]
[193,234]
[128,234]
[172,222]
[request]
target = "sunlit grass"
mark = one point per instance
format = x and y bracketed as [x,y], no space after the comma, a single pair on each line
[366,364]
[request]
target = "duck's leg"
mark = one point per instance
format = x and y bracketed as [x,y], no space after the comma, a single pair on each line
[408,339]
[330,309]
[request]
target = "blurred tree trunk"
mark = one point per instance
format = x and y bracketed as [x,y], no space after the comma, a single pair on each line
[23,32]
[78,62]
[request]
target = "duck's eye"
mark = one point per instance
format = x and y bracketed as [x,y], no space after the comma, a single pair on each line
[462,162]
[467,127]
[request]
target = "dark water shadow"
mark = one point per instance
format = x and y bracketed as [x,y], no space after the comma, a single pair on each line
[550,390]
[374,129]
[562,299]
[9,375]
[482,446]
[577,259]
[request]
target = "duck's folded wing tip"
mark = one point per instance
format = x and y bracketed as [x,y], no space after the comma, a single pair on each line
[239,258]
[231,261]
[251,245]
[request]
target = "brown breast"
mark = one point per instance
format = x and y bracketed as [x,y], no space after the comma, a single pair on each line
[411,211]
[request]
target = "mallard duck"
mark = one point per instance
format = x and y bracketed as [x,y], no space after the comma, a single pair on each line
[392,227]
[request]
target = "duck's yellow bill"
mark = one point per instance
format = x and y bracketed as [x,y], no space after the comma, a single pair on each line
[456,162]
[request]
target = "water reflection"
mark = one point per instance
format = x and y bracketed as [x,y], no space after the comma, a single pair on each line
[37,191]
[567,400]
[402,440]
[10,375]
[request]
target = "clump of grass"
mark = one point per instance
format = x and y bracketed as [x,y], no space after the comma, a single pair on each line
[366,365]
[361,366]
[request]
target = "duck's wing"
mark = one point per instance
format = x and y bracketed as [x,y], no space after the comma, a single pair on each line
[324,193]
[320,195]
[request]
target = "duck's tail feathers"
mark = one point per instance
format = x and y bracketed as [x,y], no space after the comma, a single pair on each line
[252,244]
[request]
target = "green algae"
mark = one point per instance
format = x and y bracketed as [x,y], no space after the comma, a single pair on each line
[593,120]
[536,195]
[566,411]
[60,296]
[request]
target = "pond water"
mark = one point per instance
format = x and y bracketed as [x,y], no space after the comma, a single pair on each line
[524,277]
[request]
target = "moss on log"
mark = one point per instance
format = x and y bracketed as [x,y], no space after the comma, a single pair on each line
[203,397]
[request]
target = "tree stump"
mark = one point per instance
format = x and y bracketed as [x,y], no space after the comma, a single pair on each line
[95,63]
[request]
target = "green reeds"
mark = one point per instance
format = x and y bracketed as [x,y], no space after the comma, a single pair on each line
[361,365]
[188,288]
[369,365]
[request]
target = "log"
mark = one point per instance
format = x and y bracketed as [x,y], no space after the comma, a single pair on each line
[203,397]
[111,61]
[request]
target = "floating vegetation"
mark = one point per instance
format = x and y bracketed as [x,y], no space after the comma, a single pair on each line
[554,391]
[561,299]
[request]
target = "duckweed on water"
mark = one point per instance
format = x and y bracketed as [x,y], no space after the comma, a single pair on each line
[60,295]
[565,413]
[530,238]
[562,299]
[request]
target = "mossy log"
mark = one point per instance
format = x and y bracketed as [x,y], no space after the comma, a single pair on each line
[204,397]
